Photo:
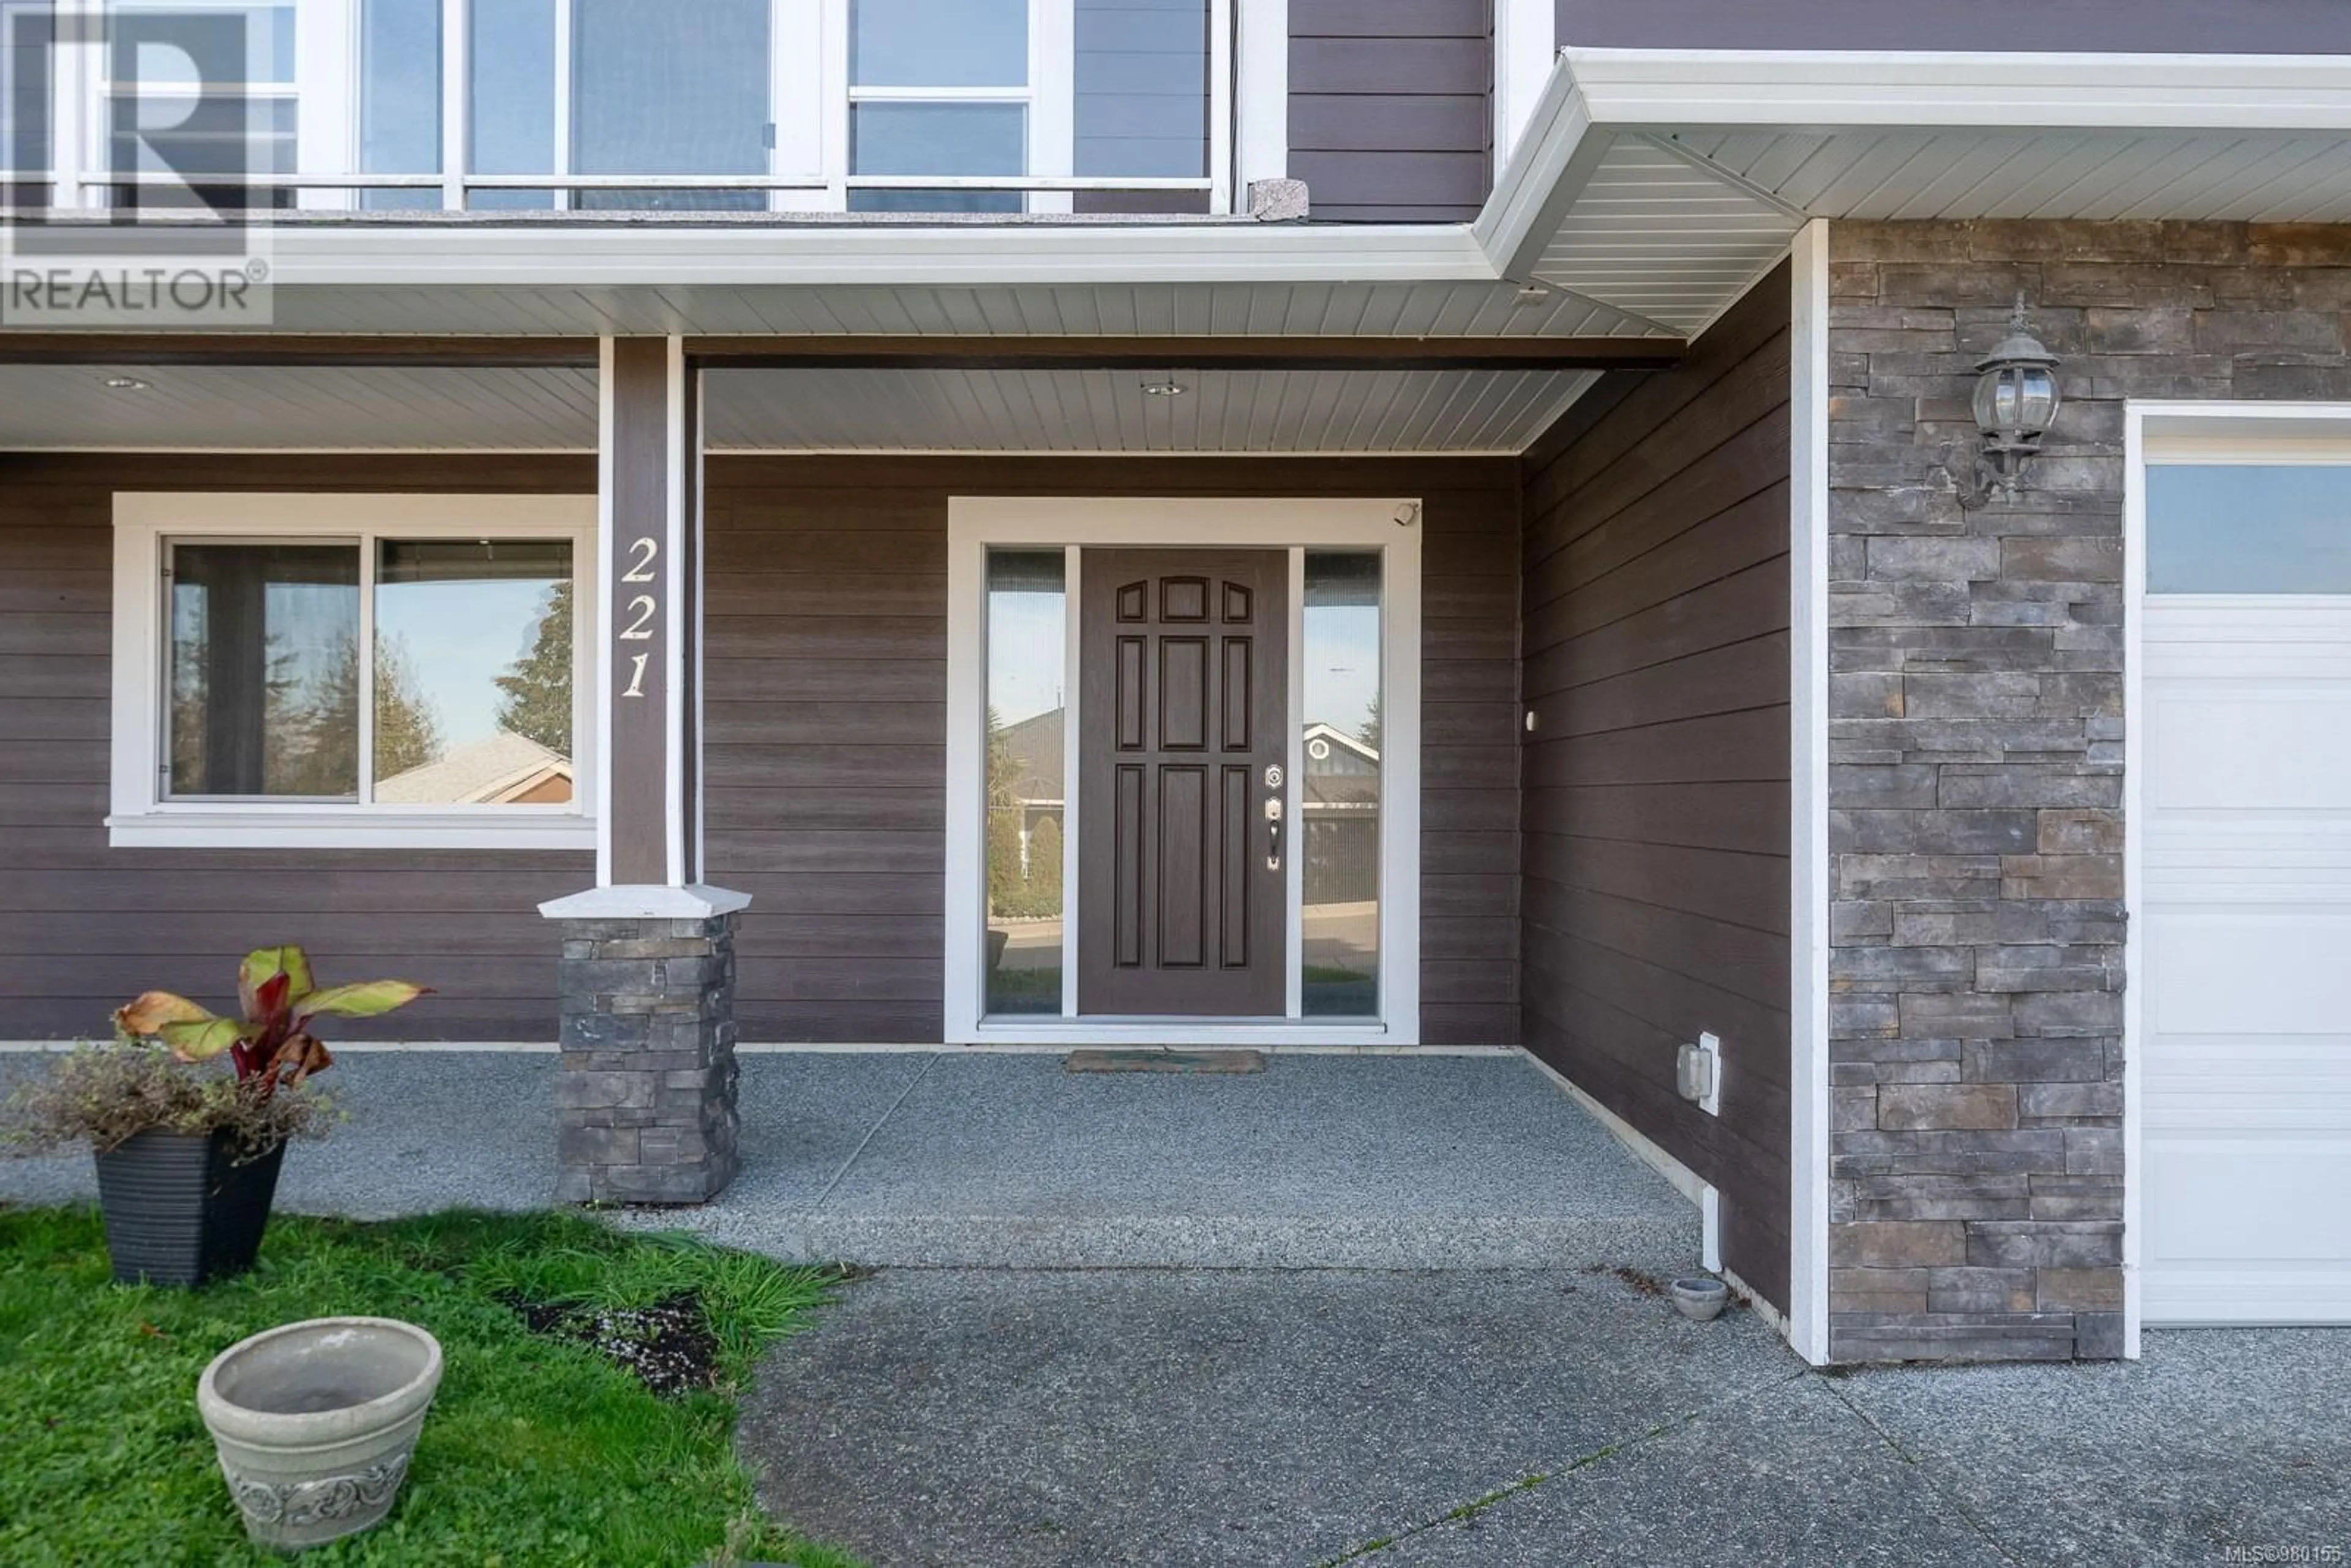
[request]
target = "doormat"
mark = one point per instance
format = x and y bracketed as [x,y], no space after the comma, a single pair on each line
[1151,1060]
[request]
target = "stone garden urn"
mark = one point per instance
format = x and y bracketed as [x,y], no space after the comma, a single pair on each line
[314,1423]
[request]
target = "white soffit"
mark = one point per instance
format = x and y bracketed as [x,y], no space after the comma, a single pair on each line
[951,410]
[1665,181]
[296,408]
[430,409]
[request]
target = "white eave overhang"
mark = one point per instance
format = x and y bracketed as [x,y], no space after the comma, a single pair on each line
[1650,189]
[1664,182]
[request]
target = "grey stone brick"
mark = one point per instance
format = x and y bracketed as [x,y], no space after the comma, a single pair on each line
[2037,1244]
[2094,1151]
[596,1146]
[2042,1101]
[2069,1013]
[1961,1015]
[1987,1291]
[1961,1106]
[1897,1244]
[2098,1336]
[581,1091]
[2035,1060]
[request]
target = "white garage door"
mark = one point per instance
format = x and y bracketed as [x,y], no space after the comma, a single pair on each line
[2245,949]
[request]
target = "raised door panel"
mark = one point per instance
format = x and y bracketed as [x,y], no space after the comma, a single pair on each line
[1183,679]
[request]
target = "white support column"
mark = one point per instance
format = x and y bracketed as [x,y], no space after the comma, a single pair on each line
[1808,836]
[646,1102]
[1524,52]
[1262,92]
[649,704]
[457,81]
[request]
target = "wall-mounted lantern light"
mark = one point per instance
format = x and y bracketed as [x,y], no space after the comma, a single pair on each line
[2015,404]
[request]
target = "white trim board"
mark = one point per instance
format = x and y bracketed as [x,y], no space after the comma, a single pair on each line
[977,523]
[1808,834]
[145,520]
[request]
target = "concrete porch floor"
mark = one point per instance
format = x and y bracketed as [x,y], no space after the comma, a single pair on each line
[958,1158]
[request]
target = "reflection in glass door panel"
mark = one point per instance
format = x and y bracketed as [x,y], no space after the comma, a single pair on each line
[1339,793]
[1028,620]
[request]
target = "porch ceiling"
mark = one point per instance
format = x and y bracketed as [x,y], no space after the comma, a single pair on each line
[381,407]
[1109,411]
[296,408]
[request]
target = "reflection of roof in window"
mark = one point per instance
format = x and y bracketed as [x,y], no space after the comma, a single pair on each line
[504,767]
[1034,745]
[1347,771]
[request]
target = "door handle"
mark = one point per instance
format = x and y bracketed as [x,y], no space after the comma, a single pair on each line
[1273,832]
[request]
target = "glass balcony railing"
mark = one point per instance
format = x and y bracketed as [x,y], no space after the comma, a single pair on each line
[715,106]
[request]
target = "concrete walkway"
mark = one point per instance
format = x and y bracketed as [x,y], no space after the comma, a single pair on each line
[1512,1419]
[957,1159]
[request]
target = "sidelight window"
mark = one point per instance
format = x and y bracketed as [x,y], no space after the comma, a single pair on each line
[1028,620]
[1339,800]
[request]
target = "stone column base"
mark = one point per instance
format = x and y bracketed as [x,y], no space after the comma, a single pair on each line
[646,1102]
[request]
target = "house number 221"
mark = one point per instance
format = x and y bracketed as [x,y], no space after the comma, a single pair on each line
[642,608]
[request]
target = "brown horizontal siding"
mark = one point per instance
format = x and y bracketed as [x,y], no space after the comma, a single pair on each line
[1655,817]
[83,926]
[1391,107]
[831,811]
[826,706]
[2157,26]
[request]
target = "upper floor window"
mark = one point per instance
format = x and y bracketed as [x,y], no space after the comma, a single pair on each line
[945,106]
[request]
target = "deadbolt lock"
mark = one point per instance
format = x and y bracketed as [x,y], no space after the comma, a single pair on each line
[1273,775]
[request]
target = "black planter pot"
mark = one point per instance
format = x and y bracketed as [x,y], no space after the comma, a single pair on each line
[180,1211]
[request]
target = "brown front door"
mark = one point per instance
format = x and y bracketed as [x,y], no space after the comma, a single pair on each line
[1184,679]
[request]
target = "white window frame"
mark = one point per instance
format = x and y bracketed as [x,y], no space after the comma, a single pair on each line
[325,91]
[1047,100]
[810,105]
[977,524]
[145,523]
[2156,433]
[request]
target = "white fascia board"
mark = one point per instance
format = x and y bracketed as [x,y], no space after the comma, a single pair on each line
[964,254]
[1817,90]
[1543,177]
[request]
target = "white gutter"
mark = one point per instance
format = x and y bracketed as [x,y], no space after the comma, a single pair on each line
[659,256]
[1822,90]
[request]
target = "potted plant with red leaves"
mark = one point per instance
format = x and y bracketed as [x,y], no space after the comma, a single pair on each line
[188,1153]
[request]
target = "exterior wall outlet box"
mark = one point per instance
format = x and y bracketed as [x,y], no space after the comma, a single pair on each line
[1697,1073]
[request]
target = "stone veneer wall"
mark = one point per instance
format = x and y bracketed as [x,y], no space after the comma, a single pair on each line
[1976,692]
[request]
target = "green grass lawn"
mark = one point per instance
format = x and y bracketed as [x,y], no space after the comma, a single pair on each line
[538,1451]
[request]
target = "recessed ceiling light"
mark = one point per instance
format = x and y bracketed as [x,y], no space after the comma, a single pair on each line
[1169,387]
[128,383]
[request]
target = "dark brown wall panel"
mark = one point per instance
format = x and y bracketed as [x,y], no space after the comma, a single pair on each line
[2136,27]
[1655,823]
[826,707]
[1391,107]
[828,703]
[83,927]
